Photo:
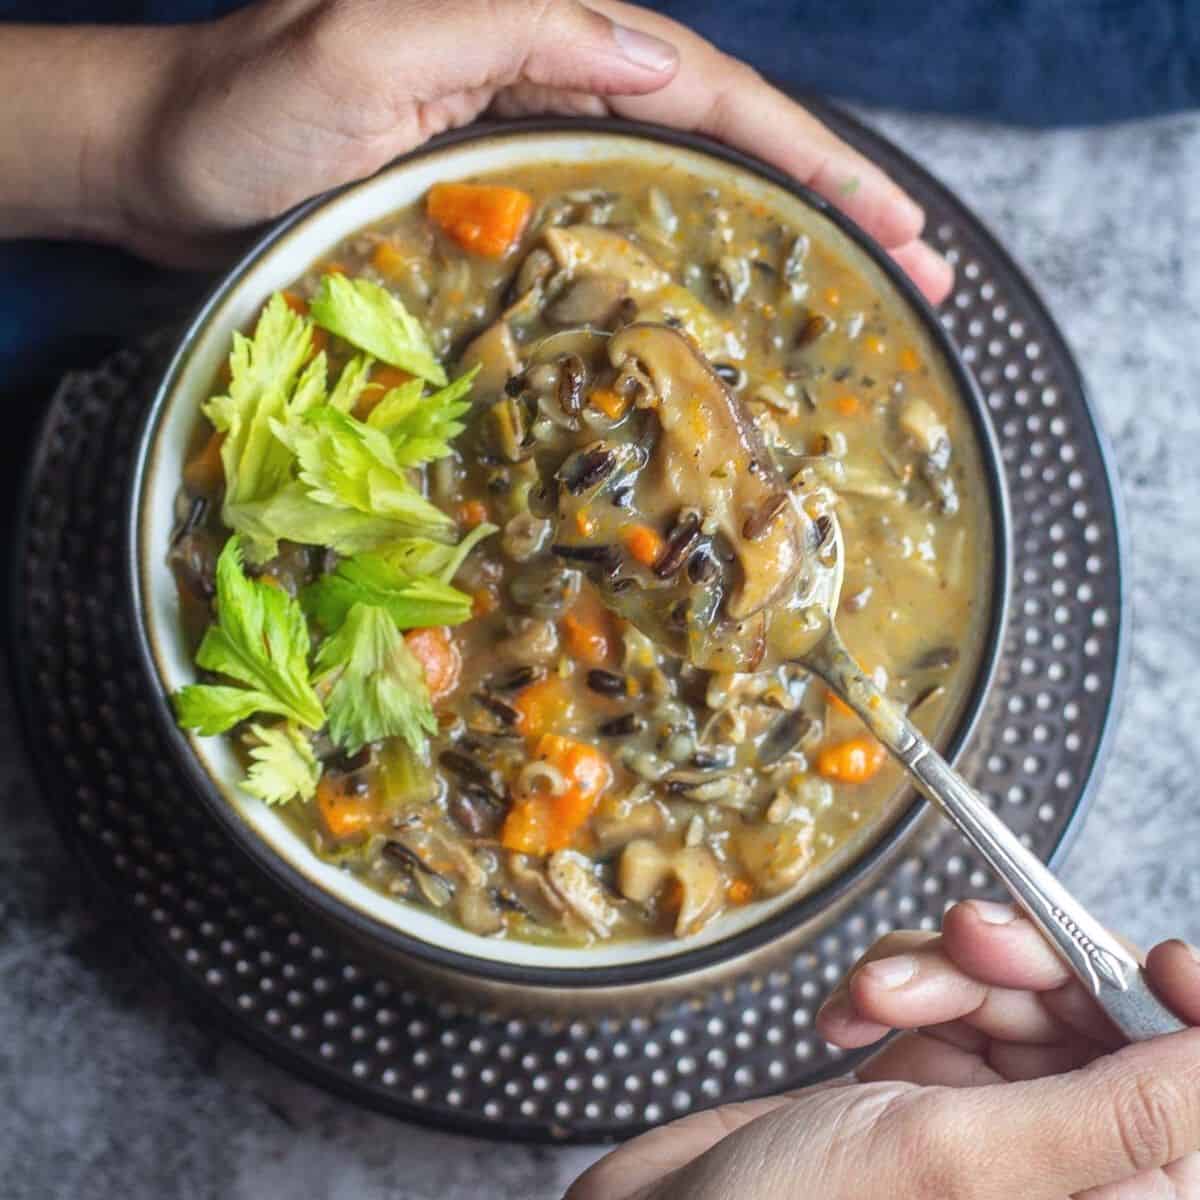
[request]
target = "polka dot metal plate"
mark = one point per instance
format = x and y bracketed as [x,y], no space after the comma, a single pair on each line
[222,930]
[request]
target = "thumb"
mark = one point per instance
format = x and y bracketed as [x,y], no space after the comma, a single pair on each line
[558,44]
[1129,1112]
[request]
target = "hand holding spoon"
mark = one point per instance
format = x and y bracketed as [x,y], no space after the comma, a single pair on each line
[771,596]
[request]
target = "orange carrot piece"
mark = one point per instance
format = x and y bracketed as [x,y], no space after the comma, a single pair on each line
[345,814]
[382,379]
[644,543]
[528,827]
[847,404]
[472,513]
[296,303]
[385,378]
[487,219]
[437,652]
[853,761]
[612,404]
[484,601]
[739,891]
[875,344]
[585,642]
[544,823]
[205,472]
[388,260]
[909,359]
[541,706]
[588,631]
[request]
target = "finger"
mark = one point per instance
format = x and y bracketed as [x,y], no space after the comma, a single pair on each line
[558,44]
[648,1158]
[837,1021]
[916,1058]
[719,96]
[995,944]
[925,988]
[932,274]
[1174,972]
[840,1024]
[1076,1008]
[1177,1181]
[1016,1062]
[1128,1112]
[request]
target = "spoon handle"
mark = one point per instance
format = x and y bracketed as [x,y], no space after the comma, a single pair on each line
[1105,967]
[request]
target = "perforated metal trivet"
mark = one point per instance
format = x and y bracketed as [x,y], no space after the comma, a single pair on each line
[221,930]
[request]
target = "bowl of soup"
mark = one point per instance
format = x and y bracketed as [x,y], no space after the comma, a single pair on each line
[402,695]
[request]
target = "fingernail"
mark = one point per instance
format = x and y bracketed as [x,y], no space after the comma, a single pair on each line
[836,1008]
[645,50]
[991,913]
[892,972]
[1189,948]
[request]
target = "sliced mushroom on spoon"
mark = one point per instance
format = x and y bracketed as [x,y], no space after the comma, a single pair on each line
[747,575]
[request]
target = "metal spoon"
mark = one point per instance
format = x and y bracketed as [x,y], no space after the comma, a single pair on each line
[1106,968]
[1112,975]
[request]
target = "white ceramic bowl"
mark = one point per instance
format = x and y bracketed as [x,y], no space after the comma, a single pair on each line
[393,926]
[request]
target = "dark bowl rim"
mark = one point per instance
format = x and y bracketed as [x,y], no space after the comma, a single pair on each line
[367,929]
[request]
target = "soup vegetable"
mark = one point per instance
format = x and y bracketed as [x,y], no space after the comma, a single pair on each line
[387,586]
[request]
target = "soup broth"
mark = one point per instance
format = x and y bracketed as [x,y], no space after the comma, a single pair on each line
[580,783]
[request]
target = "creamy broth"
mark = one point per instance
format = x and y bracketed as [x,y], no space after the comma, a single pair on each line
[582,784]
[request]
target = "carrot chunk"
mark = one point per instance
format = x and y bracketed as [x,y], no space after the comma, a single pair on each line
[739,891]
[437,652]
[644,543]
[484,600]
[545,823]
[587,630]
[486,219]
[541,706]
[381,381]
[345,814]
[585,643]
[611,404]
[853,761]
[472,513]
[388,260]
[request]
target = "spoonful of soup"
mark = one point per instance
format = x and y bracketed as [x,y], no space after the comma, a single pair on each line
[690,531]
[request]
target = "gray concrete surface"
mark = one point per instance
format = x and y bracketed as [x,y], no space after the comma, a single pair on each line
[108,1087]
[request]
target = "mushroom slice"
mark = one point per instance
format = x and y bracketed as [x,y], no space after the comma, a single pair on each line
[675,305]
[495,352]
[588,248]
[533,890]
[644,868]
[589,300]
[571,876]
[709,456]
[478,912]
[617,821]
[776,856]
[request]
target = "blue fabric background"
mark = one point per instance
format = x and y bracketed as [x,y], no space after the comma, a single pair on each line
[1035,61]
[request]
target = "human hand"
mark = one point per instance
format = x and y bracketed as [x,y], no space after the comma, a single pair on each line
[1014,1087]
[248,115]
